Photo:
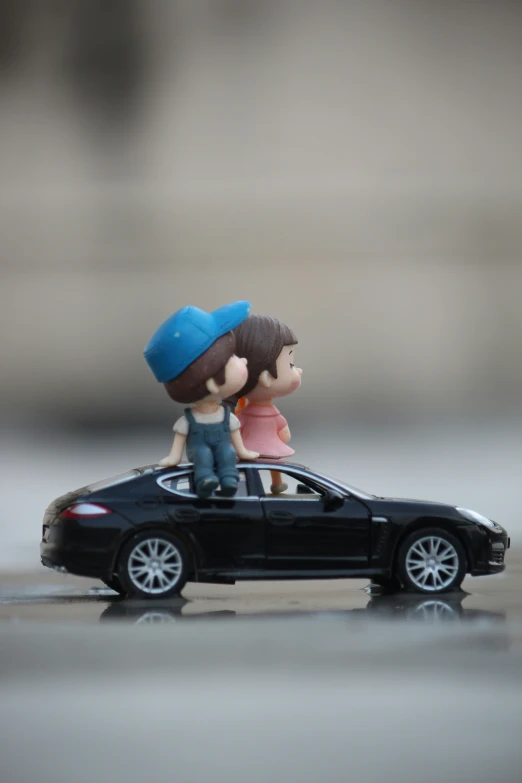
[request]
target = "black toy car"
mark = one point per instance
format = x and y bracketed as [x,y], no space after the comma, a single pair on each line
[145,534]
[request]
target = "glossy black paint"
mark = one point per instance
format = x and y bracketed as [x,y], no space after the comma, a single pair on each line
[341,533]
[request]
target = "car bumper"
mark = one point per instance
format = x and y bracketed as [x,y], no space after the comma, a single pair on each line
[491,559]
[82,548]
[85,563]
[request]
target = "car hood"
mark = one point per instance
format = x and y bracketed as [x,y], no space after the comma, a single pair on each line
[417,502]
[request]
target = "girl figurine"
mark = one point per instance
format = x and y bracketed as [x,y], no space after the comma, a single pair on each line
[269,347]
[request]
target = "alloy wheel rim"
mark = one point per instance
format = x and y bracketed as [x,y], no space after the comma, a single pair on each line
[432,563]
[155,566]
[434,611]
[155,618]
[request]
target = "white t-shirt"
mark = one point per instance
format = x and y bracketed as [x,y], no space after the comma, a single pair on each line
[182,425]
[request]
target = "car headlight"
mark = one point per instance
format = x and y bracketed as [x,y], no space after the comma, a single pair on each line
[474,516]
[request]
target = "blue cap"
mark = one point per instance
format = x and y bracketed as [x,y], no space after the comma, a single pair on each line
[187,334]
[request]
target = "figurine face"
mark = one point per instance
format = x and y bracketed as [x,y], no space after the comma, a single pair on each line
[288,378]
[236,374]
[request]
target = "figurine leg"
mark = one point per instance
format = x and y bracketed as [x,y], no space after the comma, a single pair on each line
[226,468]
[278,485]
[205,478]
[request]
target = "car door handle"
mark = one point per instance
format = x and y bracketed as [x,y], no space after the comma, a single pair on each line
[281,517]
[186,515]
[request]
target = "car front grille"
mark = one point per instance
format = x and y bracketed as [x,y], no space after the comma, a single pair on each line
[497,556]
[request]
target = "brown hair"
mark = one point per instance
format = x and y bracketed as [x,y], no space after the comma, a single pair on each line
[260,339]
[191,386]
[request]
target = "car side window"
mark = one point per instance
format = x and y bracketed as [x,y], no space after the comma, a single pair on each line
[184,485]
[280,485]
[180,484]
[242,488]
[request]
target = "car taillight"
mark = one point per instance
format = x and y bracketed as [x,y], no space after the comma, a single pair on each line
[81,510]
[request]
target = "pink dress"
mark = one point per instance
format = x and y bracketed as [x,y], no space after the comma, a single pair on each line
[259,427]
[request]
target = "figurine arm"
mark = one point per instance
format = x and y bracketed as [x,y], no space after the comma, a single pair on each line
[241,451]
[176,452]
[284,434]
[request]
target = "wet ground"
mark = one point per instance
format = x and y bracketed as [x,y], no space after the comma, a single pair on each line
[309,681]
[45,596]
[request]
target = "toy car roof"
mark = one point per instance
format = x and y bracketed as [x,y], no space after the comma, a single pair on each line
[135,473]
[242,464]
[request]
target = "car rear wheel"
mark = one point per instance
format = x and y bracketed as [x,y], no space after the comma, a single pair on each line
[153,565]
[431,561]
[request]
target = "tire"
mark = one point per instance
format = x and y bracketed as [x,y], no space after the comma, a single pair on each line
[153,565]
[391,583]
[431,561]
[115,584]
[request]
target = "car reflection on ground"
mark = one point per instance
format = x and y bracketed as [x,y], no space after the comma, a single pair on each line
[381,605]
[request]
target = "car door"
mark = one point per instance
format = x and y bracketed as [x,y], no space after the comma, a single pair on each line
[305,533]
[229,532]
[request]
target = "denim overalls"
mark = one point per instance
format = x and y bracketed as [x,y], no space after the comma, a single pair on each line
[214,458]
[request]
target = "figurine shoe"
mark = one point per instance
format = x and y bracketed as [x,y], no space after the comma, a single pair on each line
[206,486]
[229,487]
[277,489]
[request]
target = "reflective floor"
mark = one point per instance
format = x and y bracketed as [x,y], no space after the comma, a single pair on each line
[309,681]
[46,596]
[490,604]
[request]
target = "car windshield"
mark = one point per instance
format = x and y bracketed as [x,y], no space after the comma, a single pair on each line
[346,487]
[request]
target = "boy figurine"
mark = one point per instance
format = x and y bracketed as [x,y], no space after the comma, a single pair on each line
[192,354]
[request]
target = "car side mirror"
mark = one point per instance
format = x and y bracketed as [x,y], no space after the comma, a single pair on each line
[333,500]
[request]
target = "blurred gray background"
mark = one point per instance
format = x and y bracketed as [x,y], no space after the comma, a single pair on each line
[354,169]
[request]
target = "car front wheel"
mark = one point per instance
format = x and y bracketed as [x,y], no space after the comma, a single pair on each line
[431,561]
[153,565]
